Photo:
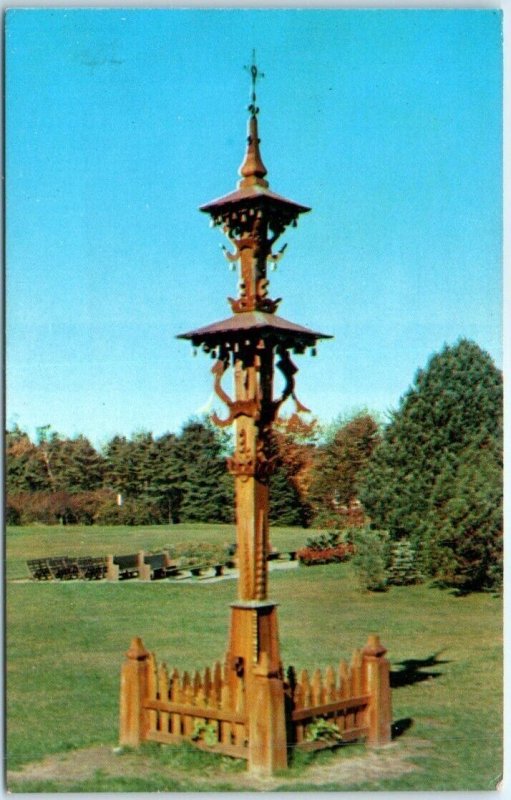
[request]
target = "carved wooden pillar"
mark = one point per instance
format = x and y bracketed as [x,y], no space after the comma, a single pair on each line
[253,218]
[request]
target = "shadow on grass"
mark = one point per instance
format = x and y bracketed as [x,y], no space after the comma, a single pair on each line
[465,591]
[413,670]
[400,726]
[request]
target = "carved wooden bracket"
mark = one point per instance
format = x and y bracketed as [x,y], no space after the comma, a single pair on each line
[237,408]
[289,370]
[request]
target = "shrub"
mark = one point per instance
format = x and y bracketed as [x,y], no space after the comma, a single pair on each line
[370,559]
[12,514]
[403,569]
[52,508]
[326,548]
[329,555]
[197,554]
[134,511]
[323,540]
[48,508]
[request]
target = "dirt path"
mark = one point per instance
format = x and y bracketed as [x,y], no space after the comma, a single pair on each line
[79,765]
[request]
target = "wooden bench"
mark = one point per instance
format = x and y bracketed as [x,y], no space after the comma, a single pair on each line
[126,567]
[39,569]
[92,568]
[158,564]
[63,568]
[121,568]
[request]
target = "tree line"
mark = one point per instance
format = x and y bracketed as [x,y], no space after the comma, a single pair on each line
[430,478]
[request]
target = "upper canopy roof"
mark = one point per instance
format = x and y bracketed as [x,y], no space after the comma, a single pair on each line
[251,195]
[267,326]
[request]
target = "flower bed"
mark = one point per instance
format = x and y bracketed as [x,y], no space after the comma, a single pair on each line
[327,548]
[327,555]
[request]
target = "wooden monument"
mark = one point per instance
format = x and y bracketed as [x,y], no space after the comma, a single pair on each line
[257,712]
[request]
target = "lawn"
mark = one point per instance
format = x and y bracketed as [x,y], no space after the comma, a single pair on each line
[65,646]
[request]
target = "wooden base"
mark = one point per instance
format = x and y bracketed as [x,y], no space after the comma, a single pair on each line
[253,652]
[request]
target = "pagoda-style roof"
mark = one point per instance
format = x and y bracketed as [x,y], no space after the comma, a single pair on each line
[244,325]
[252,196]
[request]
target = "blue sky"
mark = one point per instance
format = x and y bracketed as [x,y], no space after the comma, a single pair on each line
[120,123]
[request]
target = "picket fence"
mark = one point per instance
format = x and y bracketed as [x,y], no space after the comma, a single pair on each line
[210,707]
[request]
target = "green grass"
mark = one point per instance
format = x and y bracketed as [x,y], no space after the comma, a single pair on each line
[65,646]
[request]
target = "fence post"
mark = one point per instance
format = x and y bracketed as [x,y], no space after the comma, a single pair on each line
[133,716]
[376,677]
[267,739]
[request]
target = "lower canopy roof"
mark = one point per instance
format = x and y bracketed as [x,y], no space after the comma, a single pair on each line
[247,323]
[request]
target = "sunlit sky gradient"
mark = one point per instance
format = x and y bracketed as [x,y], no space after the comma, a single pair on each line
[120,123]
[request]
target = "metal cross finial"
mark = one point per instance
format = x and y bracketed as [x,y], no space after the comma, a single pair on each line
[254,74]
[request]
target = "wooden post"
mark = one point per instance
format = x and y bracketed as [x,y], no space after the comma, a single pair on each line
[112,570]
[133,717]
[376,678]
[144,570]
[267,742]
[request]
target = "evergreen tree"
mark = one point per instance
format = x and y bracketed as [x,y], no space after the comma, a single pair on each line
[453,409]
[120,467]
[402,569]
[207,487]
[25,471]
[74,464]
[286,507]
[166,486]
[466,526]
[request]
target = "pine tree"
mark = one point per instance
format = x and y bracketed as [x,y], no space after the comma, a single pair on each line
[120,474]
[408,486]
[286,507]
[166,485]
[75,465]
[25,471]
[207,487]
[403,569]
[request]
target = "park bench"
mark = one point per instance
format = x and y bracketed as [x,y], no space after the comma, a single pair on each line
[63,568]
[92,568]
[158,564]
[39,569]
[128,566]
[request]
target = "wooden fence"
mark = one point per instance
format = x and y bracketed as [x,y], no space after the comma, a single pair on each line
[212,708]
[339,698]
[168,707]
